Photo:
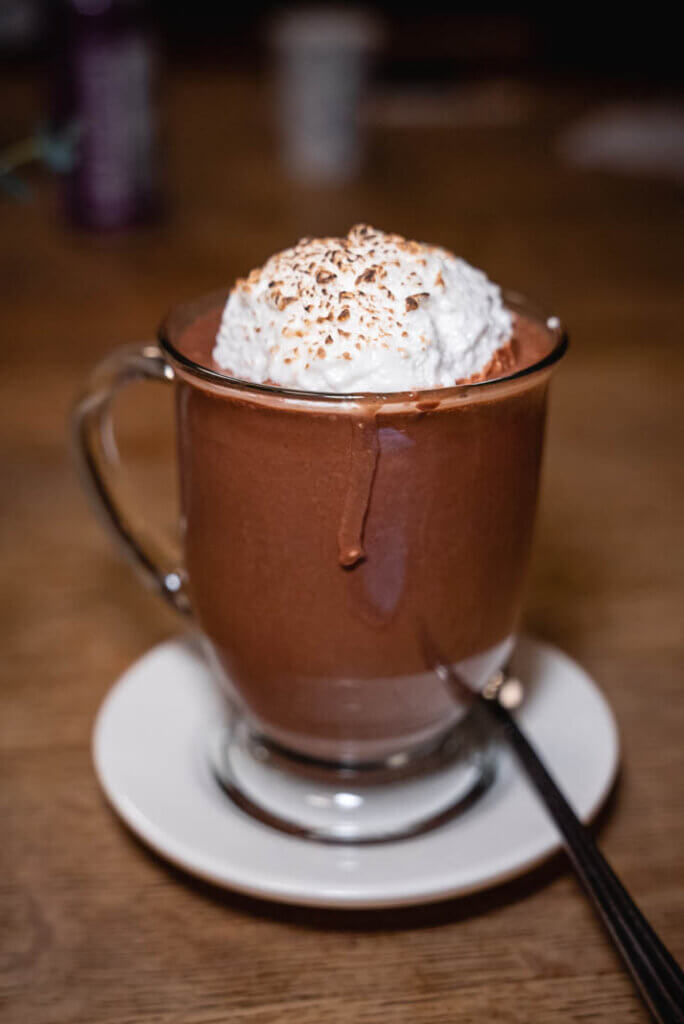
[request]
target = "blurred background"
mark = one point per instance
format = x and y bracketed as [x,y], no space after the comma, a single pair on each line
[152,152]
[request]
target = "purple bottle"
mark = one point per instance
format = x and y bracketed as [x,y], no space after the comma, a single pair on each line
[103,97]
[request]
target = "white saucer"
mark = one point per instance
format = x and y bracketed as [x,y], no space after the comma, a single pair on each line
[150,747]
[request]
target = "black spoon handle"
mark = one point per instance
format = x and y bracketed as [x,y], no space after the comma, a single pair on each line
[654,969]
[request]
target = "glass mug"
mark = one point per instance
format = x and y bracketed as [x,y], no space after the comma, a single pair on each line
[324,536]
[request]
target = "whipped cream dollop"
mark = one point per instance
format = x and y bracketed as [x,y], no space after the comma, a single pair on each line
[371,312]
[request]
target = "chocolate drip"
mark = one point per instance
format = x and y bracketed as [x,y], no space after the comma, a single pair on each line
[363,459]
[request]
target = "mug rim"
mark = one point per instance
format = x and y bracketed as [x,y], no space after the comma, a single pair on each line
[513,301]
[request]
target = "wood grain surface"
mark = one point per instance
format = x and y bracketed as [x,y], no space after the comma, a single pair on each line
[94,928]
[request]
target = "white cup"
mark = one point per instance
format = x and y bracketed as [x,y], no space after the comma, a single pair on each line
[323,58]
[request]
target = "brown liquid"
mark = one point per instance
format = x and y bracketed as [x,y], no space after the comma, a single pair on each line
[321,537]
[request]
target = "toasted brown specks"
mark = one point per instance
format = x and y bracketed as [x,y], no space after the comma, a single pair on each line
[325,276]
[328,339]
[368,276]
[413,301]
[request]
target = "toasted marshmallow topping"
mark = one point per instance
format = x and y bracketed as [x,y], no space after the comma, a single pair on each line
[371,312]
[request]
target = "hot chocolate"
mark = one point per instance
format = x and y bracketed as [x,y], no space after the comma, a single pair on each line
[360,427]
[322,533]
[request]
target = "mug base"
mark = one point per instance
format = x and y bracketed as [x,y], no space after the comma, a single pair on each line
[405,795]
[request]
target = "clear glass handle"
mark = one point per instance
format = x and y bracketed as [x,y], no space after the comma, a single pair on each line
[98,459]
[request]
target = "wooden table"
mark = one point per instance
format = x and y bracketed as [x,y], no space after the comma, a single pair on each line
[96,929]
